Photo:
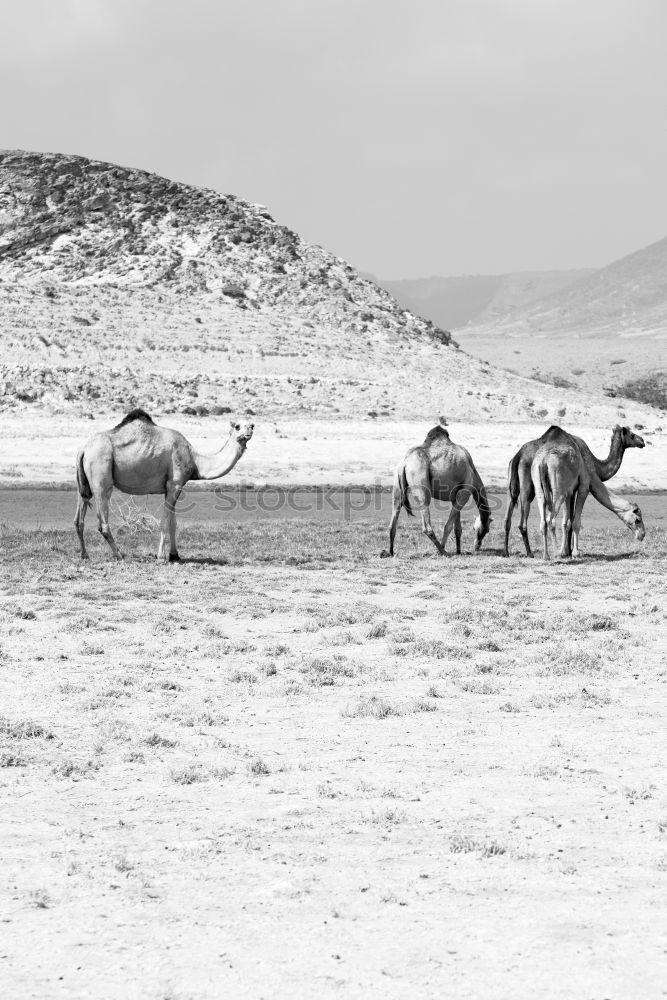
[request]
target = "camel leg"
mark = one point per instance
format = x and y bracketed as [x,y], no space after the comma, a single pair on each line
[452,522]
[171,501]
[576,522]
[458,531]
[168,525]
[511,504]
[552,529]
[427,528]
[523,525]
[544,526]
[568,523]
[80,516]
[164,529]
[103,498]
[566,528]
[392,527]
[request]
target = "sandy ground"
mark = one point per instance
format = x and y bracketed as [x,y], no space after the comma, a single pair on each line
[284,769]
[35,449]
[592,364]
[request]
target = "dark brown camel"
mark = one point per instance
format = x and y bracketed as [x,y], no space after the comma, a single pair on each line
[520,484]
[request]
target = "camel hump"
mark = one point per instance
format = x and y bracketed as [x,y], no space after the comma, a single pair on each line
[556,433]
[438,433]
[137,414]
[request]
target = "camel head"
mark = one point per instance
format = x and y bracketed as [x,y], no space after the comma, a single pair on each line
[482,526]
[241,431]
[629,439]
[635,522]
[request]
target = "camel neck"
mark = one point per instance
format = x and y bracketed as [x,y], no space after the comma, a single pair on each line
[609,466]
[617,505]
[215,466]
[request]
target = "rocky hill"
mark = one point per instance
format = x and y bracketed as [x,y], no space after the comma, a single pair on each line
[121,288]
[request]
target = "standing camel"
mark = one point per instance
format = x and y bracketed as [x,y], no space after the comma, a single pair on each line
[560,478]
[439,469]
[139,457]
[520,484]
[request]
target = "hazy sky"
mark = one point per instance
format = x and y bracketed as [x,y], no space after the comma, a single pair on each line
[413,138]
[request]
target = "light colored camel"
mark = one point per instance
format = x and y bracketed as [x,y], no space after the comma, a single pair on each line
[561,478]
[520,484]
[441,470]
[139,457]
[627,511]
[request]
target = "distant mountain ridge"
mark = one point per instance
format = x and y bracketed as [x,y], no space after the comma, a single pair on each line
[454,302]
[627,297]
[121,288]
[601,330]
[605,332]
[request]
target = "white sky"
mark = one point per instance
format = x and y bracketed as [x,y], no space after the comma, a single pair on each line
[413,137]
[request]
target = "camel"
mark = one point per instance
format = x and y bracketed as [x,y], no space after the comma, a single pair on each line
[520,484]
[561,478]
[439,469]
[139,457]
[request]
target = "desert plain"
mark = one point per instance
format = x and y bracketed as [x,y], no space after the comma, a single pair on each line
[286,765]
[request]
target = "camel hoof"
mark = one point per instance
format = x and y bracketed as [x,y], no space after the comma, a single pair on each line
[84,556]
[174,557]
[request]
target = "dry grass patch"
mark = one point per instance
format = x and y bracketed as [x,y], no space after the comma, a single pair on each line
[188,774]
[381,708]
[258,767]
[156,740]
[464,844]
[561,662]
[377,631]
[325,671]
[23,729]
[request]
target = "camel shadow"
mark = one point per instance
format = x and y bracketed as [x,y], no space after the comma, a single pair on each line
[203,561]
[610,557]
[595,557]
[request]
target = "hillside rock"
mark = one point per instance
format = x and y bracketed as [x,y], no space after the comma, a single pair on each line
[121,288]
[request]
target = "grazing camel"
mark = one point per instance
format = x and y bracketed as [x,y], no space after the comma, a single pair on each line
[628,512]
[520,484]
[439,469]
[139,457]
[561,478]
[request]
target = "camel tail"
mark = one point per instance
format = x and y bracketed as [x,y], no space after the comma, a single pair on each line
[480,496]
[402,486]
[546,487]
[513,484]
[82,483]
